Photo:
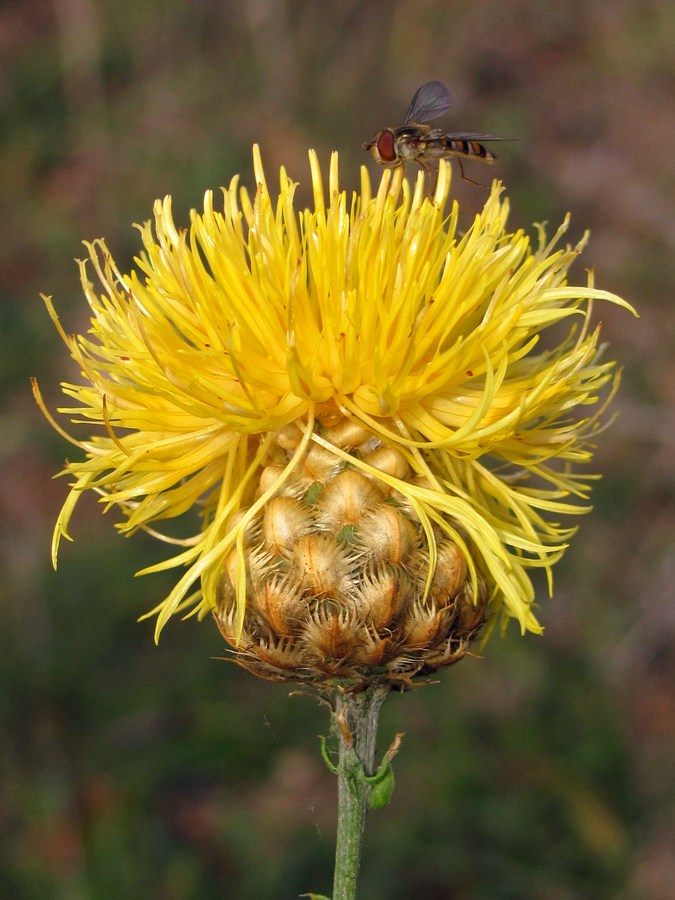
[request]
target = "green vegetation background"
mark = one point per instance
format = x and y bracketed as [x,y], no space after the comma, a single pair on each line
[545,770]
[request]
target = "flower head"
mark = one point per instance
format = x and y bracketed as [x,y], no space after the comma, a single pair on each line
[357,400]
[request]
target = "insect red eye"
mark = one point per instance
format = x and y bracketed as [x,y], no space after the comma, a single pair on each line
[385,146]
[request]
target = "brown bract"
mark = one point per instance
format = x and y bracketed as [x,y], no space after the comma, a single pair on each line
[342,587]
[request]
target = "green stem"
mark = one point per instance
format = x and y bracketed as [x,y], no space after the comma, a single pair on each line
[354,722]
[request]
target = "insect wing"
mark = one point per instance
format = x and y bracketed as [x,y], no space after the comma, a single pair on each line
[470,136]
[429,102]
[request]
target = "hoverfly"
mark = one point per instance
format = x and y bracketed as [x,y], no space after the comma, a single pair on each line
[415,141]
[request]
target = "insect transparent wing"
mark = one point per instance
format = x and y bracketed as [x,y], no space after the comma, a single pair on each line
[470,136]
[429,102]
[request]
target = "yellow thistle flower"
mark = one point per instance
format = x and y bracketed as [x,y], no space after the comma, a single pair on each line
[355,399]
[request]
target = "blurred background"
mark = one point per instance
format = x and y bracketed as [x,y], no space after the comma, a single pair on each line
[544,770]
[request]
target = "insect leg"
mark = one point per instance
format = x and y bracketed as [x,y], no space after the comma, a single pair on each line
[430,168]
[466,177]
